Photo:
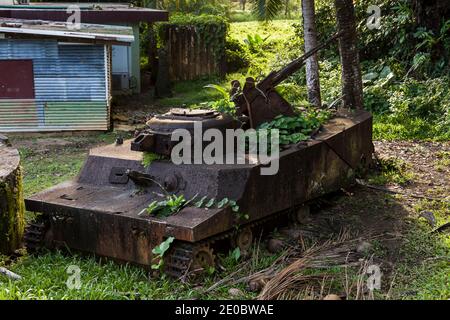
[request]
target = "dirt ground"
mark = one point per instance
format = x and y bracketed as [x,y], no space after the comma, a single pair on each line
[427,160]
[134,110]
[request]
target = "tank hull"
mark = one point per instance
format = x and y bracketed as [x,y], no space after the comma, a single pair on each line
[101,213]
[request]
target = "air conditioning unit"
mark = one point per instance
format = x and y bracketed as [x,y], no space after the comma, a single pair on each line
[120,81]
[22,2]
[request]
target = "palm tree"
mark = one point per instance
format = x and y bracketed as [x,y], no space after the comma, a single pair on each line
[243,3]
[352,93]
[312,64]
[352,89]
[266,9]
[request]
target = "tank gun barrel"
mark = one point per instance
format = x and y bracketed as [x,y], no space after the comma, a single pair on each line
[279,76]
[259,101]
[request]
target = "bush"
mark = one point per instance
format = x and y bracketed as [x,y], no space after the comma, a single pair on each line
[218,10]
[237,57]
[416,106]
[210,29]
[197,7]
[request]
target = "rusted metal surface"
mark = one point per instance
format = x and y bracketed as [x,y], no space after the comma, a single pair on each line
[260,102]
[94,215]
[157,137]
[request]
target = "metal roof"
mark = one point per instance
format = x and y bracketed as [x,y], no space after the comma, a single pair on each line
[90,12]
[51,29]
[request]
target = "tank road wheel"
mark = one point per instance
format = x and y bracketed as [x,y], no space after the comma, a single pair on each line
[187,258]
[301,215]
[243,240]
[203,258]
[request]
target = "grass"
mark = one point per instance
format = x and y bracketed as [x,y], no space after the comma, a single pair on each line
[391,171]
[390,128]
[241,16]
[238,15]
[43,172]
[278,30]
[46,276]
[424,270]
[47,168]
[188,93]
[443,159]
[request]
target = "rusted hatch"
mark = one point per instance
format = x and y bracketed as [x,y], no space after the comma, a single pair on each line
[16,79]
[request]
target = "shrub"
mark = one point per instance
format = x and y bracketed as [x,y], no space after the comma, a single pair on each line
[237,57]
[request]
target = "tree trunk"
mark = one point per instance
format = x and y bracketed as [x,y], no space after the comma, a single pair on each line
[351,72]
[162,86]
[243,3]
[152,52]
[431,14]
[312,64]
[11,200]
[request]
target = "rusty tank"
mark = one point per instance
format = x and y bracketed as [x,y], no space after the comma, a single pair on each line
[103,210]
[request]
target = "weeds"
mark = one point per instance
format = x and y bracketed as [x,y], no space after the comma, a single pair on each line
[149,157]
[172,204]
[391,171]
[159,252]
[298,128]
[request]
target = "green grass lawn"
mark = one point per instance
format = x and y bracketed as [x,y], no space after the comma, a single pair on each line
[278,30]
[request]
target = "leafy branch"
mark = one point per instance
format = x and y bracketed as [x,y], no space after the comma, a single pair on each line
[159,252]
[171,205]
[297,128]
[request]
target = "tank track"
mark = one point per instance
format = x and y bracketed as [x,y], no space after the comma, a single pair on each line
[34,234]
[179,261]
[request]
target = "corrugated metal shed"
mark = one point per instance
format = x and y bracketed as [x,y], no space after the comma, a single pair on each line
[71,87]
[64,30]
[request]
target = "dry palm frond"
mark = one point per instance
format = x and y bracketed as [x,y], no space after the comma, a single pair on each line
[263,275]
[338,252]
[285,278]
